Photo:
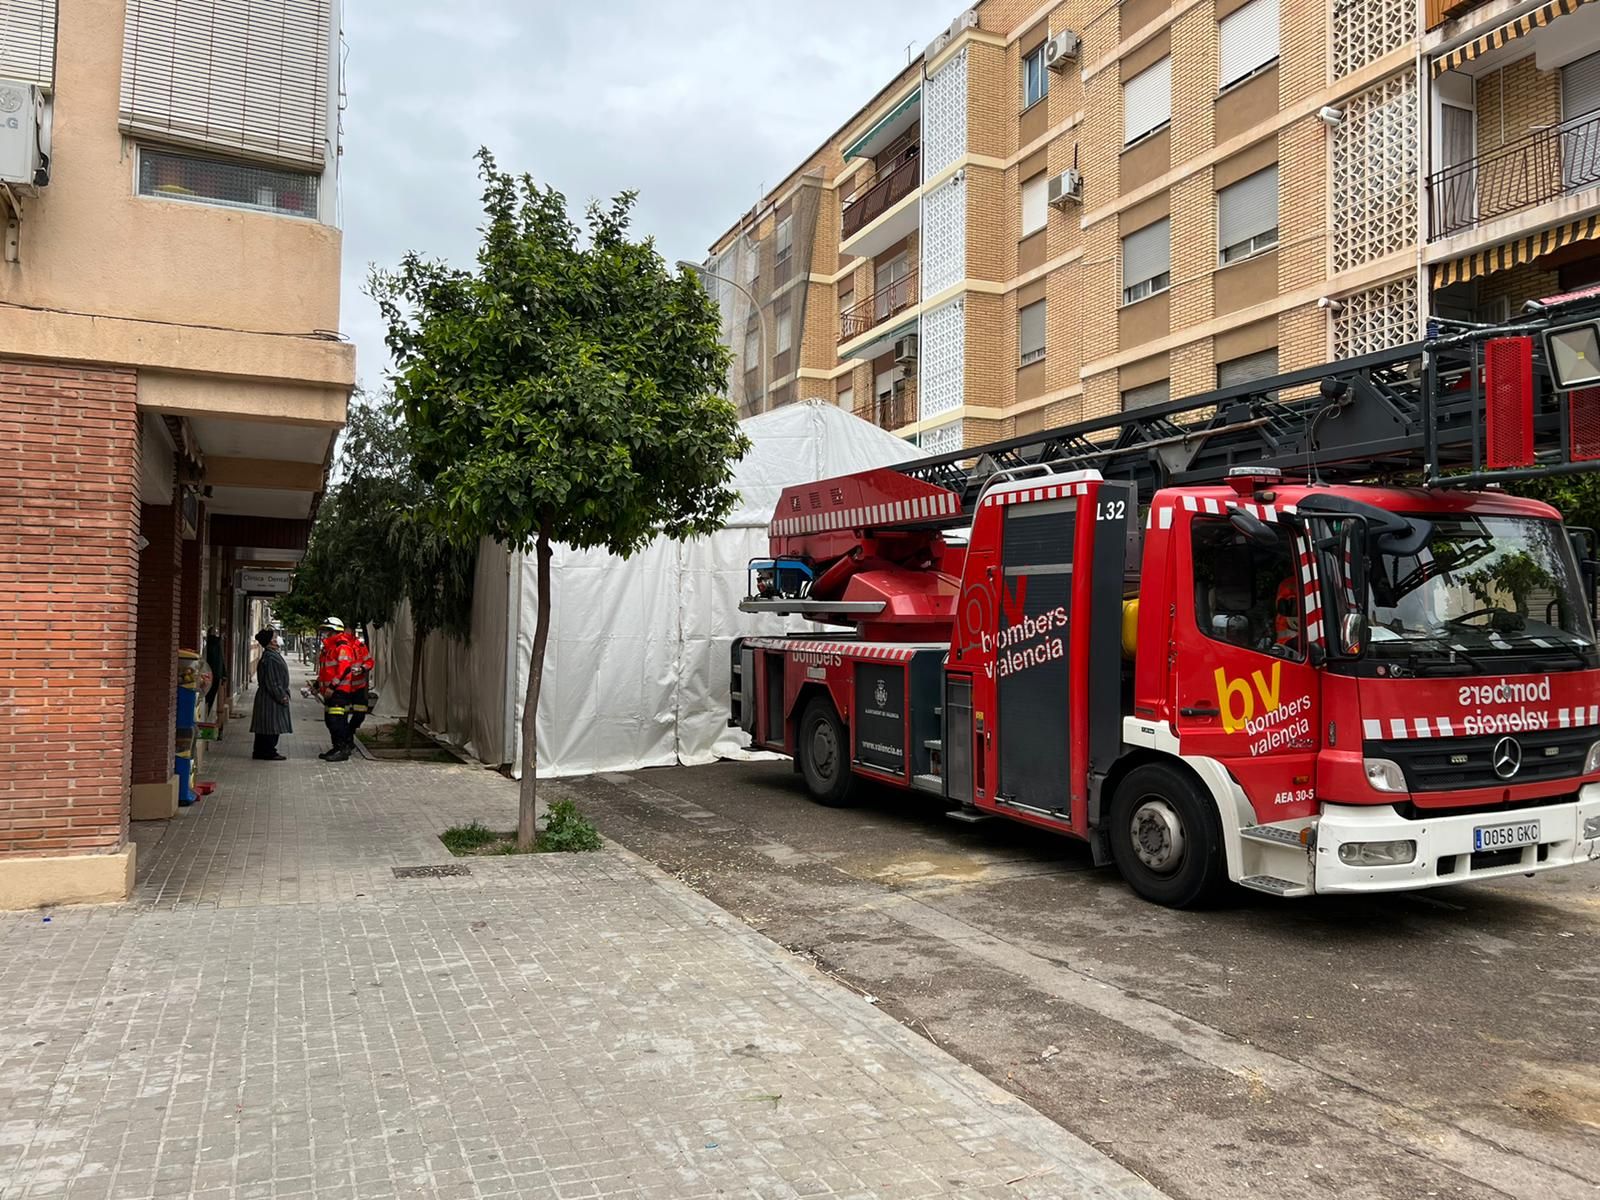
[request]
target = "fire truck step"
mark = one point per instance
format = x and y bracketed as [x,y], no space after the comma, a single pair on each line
[1274,886]
[928,783]
[969,816]
[934,744]
[1276,835]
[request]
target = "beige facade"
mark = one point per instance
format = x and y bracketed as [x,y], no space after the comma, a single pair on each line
[173,384]
[1253,194]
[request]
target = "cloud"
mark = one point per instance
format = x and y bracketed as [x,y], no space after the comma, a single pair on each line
[698,105]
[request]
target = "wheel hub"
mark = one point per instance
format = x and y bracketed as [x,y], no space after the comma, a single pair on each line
[824,750]
[1157,835]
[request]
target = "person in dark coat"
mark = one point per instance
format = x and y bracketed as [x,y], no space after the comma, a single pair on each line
[219,672]
[269,718]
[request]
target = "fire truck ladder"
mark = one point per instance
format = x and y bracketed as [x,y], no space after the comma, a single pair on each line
[1464,408]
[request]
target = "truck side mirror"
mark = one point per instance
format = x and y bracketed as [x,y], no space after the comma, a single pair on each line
[1253,527]
[1352,635]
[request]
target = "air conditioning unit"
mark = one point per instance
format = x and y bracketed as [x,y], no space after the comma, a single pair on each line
[1060,50]
[1066,188]
[935,46]
[967,20]
[21,119]
[905,349]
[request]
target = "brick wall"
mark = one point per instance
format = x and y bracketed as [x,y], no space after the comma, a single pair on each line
[68,516]
[156,667]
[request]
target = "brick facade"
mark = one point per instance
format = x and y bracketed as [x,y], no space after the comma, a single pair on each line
[156,660]
[69,512]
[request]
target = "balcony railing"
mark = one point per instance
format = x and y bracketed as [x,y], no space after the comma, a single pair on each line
[896,177]
[1542,166]
[889,300]
[893,409]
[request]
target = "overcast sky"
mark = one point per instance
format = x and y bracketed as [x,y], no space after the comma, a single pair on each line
[697,104]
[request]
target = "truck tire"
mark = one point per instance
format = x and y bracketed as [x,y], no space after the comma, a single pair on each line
[1167,839]
[823,748]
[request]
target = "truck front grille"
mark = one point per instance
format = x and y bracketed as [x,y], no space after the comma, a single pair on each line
[1446,763]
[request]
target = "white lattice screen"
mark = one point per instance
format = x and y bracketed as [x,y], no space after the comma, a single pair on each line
[944,235]
[942,440]
[1366,30]
[1375,169]
[1379,318]
[944,116]
[941,350]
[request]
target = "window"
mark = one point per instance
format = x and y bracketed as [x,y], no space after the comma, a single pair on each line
[752,348]
[1035,78]
[1158,392]
[1146,262]
[784,239]
[1030,333]
[233,184]
[785,328]
[28,41]
[847,300]
[1035,203]
[1147,101]
[1245,593]
[239,77]
[1247,41]
[893,288]
[1247,216]
[847,399]
[1248,369]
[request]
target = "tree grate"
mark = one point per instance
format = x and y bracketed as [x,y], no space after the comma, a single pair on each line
[431,871]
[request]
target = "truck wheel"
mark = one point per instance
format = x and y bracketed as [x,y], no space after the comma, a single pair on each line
[823,749]
[1167,839]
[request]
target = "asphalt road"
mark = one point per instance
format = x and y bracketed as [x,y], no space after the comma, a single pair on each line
[1437,1044]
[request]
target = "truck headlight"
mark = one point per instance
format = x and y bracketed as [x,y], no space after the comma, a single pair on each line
[1384,774]
[1591,760]
[1377,854]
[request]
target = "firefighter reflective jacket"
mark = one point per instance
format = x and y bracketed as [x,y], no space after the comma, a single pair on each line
[344,664]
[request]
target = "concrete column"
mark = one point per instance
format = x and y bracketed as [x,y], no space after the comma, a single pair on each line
[155,787]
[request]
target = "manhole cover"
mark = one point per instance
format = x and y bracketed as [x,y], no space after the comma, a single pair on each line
[435,871]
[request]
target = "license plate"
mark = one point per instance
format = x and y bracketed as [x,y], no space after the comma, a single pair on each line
[1505,837]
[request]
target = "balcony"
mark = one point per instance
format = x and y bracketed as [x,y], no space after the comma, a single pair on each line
[1440,11]
[895,409]
[887,302]
[895,177]
[1542,167]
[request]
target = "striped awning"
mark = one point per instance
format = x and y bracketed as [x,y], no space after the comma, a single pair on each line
[1512,254]
[1495,38]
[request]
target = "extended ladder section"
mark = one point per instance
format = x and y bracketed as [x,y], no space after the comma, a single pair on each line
[1464,408]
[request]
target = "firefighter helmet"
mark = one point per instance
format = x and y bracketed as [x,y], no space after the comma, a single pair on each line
[334,623]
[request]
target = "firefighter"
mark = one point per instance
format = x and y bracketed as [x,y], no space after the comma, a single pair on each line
[1286,617]
[344,666]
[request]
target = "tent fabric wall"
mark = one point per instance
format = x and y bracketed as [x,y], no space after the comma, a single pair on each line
[636,670]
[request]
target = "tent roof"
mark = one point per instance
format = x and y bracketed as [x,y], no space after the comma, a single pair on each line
[801,443]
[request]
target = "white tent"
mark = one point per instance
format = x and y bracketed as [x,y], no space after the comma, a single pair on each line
[637,670]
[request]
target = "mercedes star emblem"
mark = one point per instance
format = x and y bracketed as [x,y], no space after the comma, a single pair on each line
[1507,757]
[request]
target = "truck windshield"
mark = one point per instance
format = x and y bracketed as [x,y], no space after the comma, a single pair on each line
[1484,586]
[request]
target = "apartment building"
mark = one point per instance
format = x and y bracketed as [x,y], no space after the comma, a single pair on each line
[1064,210]
[171,386]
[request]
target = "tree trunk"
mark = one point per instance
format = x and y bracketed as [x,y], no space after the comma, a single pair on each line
[416,674]
[530,816]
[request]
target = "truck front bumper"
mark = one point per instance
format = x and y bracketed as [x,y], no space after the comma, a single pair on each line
[1569,833]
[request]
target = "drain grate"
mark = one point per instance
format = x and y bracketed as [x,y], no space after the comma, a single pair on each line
[433,871]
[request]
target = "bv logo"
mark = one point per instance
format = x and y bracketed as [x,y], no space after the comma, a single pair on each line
[1237,699]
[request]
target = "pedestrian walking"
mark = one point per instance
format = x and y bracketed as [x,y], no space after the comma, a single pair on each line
[269,718]
[219,672]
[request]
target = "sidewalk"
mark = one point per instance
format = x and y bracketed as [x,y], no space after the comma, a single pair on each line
[278,1014]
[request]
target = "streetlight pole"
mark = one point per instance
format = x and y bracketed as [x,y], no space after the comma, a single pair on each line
[755,304]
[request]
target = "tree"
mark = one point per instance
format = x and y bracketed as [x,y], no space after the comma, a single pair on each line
[568,389]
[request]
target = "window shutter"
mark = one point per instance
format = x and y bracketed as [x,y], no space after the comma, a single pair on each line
[1035,204]
[1248,208]
[28,41]
[1580,87]
[1147,100]
[1146,253]
[1030,330]
[1262,365]
[1151,393]
[244,77]
[1247,38]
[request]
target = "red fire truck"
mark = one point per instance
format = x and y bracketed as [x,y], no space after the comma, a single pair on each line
[1289,635]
